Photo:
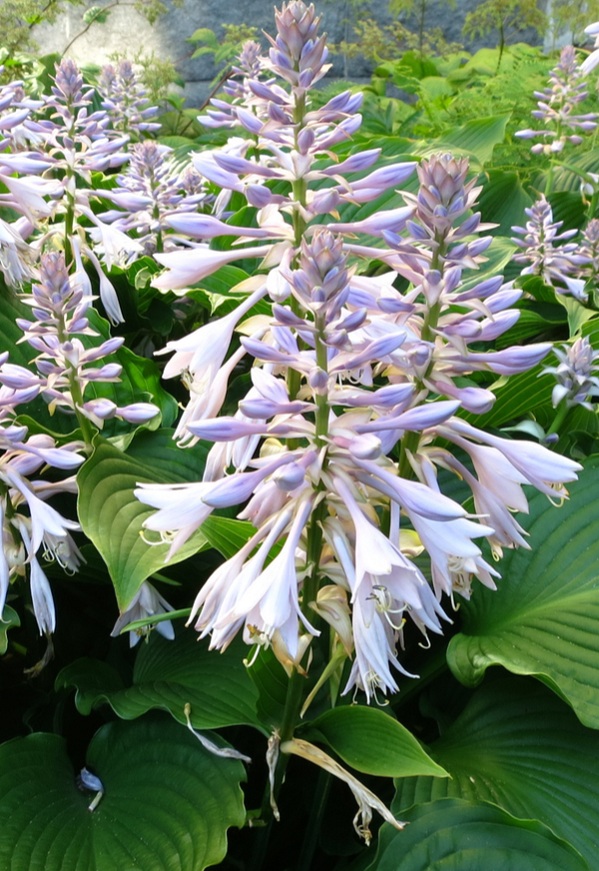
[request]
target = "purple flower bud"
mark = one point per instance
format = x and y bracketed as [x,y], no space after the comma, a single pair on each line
[138,412]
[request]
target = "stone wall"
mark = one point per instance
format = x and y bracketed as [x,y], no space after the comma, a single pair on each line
[126,32]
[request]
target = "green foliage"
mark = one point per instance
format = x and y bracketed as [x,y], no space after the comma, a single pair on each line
[521,748]
[545,627]
[223,47]
[18,17]
[168,802]
[372,742]
[112,517]
[505,17]
[169,676]
[453,834]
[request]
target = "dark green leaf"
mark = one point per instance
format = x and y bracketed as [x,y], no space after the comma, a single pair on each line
[457,835]
[373,742]
[518,746]
[167,804]
[10,619]
[169,675]
[543,618]
[112,517]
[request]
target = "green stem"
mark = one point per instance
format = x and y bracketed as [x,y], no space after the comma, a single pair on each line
[593,205]
[560,416]
[87,431]
[69,226]
[549,181]
[323,787]
[408,445]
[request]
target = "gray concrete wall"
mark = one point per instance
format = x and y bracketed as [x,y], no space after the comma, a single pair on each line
[126,32]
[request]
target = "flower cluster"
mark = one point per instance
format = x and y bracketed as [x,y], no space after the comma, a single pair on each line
[335,451]
[247,69]
[151,191]
[560,266]
[125,100]
[556,107]
[577,382]
[28,524]
[65,367]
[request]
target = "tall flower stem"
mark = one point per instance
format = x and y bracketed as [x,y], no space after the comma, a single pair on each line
[559,419]
[323,788]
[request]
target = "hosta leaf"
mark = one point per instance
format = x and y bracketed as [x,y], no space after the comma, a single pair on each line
[10,309]
[518,746]
[9,620]
[271,682]
[522,395]
[503,200]
[497,256]
[373,742]
[478,137]
[457,835]
[169,675]
[543,618]
[227,535]
[112,517]
[167,804]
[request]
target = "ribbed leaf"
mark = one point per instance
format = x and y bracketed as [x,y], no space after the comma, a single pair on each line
[543,618]
[10,619]
[522,394]
[503,200]
[10,309]
[457,835]
[227,535]
[373,742]
[519,746]
[169,675]
[167,805]
[271,682]
[478,137]
[112,517]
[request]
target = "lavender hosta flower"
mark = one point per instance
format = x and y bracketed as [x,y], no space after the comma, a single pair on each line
[285,485]
[189,266]
[16,256]
[19,129]
[247,69]
[556,104]
[150,193]
[28,524]
[125,100]
[27,196]
[556,264]
[544,469]
[577,382]
[298,53]
[78,141]
[64,365]
[346,371]
[442,320]
[342,466]
[589,250]
[590,62]
[147,602]
[291,141]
